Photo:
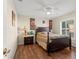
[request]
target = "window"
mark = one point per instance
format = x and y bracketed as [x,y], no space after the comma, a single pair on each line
[65,27]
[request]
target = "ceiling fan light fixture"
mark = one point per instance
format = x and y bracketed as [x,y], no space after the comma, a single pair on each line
[48,13]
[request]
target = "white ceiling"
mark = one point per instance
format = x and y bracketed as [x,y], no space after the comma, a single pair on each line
[35,7]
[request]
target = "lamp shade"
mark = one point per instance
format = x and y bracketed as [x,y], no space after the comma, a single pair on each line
[71,28]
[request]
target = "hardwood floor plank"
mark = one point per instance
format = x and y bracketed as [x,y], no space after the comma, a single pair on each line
[36,52]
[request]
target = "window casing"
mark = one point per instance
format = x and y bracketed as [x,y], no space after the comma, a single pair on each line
[65,26]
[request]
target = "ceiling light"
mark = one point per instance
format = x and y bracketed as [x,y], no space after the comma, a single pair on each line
[48,13]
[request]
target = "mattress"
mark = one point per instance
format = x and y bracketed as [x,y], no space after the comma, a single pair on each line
[54,36]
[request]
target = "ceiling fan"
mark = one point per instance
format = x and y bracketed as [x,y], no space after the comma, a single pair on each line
[47,8]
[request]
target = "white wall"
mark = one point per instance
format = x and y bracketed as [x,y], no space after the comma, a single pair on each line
[25,21]
[39,22]
[56,23]
[10,32]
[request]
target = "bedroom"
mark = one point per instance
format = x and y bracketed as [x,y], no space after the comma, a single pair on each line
[30,19]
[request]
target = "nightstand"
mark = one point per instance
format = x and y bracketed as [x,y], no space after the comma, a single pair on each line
[29,39]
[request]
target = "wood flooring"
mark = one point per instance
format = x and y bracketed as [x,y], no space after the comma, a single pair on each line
[36,52]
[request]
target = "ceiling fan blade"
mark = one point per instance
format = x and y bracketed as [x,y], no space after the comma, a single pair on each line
[41,2]
[39,9]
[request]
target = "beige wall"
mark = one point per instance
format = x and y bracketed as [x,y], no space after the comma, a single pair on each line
[25,21]
[10,32]
[56,21]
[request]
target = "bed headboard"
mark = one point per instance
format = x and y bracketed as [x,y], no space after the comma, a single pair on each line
[42,29]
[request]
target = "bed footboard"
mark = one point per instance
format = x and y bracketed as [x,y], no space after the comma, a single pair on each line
[59,43]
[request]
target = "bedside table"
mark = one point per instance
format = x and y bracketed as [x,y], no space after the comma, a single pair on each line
[29,39]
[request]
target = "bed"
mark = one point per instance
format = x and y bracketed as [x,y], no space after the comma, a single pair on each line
[51,42]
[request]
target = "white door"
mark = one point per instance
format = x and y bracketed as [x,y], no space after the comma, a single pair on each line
[5,26]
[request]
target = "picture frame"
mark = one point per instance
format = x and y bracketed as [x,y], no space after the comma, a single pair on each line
[43,21]
[32,24]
